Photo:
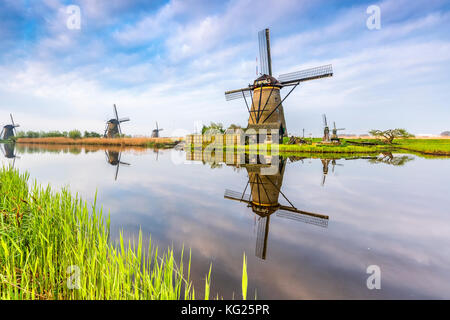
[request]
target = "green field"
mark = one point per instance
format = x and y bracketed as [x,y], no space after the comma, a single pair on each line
[55,246]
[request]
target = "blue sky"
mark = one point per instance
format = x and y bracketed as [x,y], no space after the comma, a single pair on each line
[171,61]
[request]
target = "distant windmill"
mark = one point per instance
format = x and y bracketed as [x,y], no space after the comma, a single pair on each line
[113,128]
[263,199]
[155,132]
[334,136]
[9,130]
[113,158]
[266,111]
[326,129]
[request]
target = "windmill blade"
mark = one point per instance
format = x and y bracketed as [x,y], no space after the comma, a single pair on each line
[117,171]
[237,196]
[124,120]
[157,126]
[340,129]
[1,134]
[334,125]
[125,163]
[303,216]
[12,120]
[120,128]
[262,237]
[115,112]
[238,94]
[306,75]
[107,156]
[264,52]
[324,117]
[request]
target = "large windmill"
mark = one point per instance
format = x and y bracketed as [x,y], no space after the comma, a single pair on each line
[113,125]
[155,132]
[263,199]
[266,110]
[9,130]
[114,159]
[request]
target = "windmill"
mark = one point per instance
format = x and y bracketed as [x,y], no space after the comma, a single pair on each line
[9,130]
[266,111]
[114,159]
[334,136]
[326,129]
[155,132]
[263,200]
[8,150]
[113,125]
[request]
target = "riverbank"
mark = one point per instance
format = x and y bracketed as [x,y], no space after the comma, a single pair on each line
[145,142]
[435,147]
[55,246]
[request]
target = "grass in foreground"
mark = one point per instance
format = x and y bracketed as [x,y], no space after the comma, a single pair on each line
[49,240]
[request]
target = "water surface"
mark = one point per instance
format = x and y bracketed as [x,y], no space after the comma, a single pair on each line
[390,211]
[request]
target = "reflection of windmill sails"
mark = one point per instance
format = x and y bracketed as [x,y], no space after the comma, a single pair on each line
[8,151]
[263,199]
[113,158]
[325,164]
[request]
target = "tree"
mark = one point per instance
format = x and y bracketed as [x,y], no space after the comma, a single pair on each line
[391,134]
[75,134]
[213,127]
[445,134]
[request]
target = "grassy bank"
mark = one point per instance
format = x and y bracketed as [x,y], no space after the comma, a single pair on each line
[437,147]
[51,239]
[136,142]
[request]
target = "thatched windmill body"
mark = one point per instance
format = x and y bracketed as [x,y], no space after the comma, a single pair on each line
[264,201]
[155,132]
[9,130]
[266,110]
[113,128]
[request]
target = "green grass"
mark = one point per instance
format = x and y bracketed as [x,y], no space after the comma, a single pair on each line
[43,234]
[437,147]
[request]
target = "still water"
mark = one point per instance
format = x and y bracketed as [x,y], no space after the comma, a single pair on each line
[391,211]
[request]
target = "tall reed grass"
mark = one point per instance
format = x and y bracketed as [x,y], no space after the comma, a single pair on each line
[54,246]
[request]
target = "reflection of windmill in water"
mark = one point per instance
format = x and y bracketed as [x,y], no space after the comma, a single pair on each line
[263,199]
[9,151]
[113,128]
[325,164]
[266,111]
[114,159]
[9,130]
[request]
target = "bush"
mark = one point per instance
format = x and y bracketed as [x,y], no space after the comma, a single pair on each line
[75,134]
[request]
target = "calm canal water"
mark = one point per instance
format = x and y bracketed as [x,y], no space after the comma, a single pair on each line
[392,212]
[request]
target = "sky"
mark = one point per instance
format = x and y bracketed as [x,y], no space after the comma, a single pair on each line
[172,61]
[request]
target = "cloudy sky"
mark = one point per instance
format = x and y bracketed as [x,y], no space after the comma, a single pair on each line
[171,61]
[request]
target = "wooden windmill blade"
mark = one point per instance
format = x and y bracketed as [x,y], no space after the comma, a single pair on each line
[306,75]
[14,124]
[1,134]
[238,94]
[262,237]
[303,216]
[264,52]
[237,196]
[324,117]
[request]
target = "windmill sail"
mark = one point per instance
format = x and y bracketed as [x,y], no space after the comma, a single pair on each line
[264,52]
[306,75]
[238,94]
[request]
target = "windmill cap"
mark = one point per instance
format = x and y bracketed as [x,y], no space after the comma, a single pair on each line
[267,80]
